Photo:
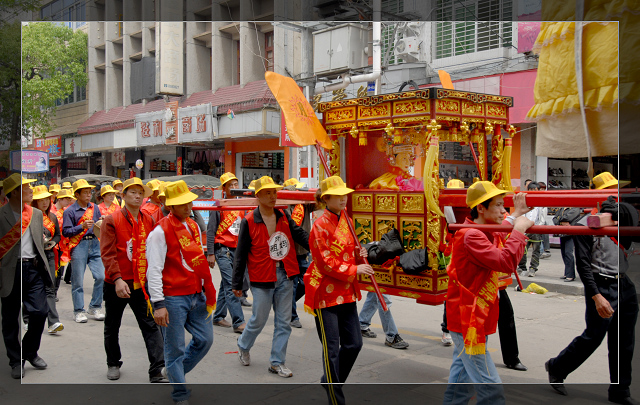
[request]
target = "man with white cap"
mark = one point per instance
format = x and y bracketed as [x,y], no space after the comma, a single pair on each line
[265,249]
[24,274]
[477,261]
[77,225]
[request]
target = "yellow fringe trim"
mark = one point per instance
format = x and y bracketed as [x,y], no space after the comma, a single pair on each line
[473,347]
[149,308]
[309,310]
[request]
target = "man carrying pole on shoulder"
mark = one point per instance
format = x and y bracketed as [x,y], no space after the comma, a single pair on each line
[477,258]
[177,273]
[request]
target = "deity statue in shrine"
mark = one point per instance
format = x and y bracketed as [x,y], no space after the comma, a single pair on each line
[399,178]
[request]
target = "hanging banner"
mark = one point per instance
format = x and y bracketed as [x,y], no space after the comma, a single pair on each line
[29,161]
[72,145]
[150,128]
[197,124]
[179,166]
[51,145]
[169,58]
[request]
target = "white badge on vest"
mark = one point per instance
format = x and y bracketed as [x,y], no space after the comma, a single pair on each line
[234,229]
[130,250]
[278,246]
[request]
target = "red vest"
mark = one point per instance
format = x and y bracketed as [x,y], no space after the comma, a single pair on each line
[124,230]
[262,268]
[227,233]
[176,279]
[150,208]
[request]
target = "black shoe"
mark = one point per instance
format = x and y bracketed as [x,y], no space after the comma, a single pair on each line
[37,363]
[556,383]
[623,400]
[17,371]
[160,377]
[518,366]
[368,333]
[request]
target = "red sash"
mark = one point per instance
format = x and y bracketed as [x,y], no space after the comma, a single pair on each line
[313,277]
[63,246]
[298,214]
[473,305]
[227,219]
[75,240]
[8,241]
[104,211]
[193,255]
[48,224]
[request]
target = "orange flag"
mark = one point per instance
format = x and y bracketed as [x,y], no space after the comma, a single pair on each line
[303,126]
[445,79]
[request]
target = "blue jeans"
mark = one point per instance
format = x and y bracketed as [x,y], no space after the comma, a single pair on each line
[371,303]
[477,369]
[226,299]
[86,253]
[298,284]
[185,312]
[566,249]
[263,298]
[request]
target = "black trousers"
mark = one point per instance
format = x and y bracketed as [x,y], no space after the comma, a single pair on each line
[34,299]
[506,329]
[114,309]
[339,331]
[624,301]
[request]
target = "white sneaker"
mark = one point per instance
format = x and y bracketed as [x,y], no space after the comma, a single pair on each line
[26,327]
[98,313]
[446,339]
[56,327]
[80,317]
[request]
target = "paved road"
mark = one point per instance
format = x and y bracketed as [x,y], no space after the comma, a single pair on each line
[545,324]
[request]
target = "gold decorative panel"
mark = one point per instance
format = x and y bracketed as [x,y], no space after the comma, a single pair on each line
[471,108]
[381,278]
[443,283]
[448,106]
[386,203]
[376,111]
[412,232]
[411,107]
[384,223]
[411,203]
[415,282]
[496,110]
[364,228]
[362,202]
[340,115]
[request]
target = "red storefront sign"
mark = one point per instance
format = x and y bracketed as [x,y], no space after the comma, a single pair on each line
[51,145]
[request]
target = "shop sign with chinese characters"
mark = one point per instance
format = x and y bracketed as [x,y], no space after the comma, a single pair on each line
[169,58]
[52,145]
[197,124]
[150,128]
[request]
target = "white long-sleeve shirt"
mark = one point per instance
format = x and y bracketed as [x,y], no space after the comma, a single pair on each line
[156,255]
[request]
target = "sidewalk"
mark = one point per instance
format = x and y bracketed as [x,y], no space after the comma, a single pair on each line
[548,276]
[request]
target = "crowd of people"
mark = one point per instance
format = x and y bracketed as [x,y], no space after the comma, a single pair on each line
[145,248]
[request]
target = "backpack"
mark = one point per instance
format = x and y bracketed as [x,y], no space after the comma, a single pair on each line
[570,215]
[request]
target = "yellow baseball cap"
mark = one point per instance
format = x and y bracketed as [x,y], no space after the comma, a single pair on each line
[252,185]
[137,182]
[54,188]
[154,184]
[66,184]
[293,182]
[334,186]
[606,180]
[106,189]
[228,176]
[65,193]
[40,192]
[12,182]
[482,191]
[266,182]
[178,193]
[80,184]
[116,182]
[455,184]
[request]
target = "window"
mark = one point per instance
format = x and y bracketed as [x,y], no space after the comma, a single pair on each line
[471,26]
[386,45]
[70,11]
[79,94]
[268,51]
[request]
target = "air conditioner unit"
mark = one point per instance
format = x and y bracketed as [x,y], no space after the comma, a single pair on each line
[408,46]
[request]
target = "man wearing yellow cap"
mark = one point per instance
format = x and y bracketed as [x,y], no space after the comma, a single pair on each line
[606,180]
[24,274]
[180,287]
[77,225]
[153,204]
[477,260]
[117,185]
[123,241]
[63,200]
[222,240]
[265,249]
[54,189]
[108,205]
